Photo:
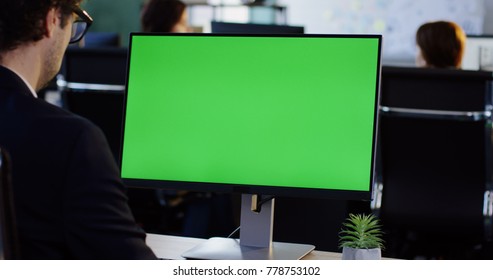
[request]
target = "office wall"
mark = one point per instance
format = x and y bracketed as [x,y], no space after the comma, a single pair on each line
[488,20]
[122,16]
[397,20]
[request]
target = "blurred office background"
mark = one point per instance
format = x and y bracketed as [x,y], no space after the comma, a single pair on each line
[295,221]
[397,20]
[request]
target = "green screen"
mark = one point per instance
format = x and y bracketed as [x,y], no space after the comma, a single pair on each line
[264,111]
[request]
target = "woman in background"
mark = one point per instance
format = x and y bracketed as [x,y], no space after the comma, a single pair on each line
[165,16]
[440,44]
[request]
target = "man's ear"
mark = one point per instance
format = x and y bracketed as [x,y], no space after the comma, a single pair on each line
[51,22]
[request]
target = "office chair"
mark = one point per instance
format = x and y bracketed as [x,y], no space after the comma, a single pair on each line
[92,85]
[434,160]
[9,244]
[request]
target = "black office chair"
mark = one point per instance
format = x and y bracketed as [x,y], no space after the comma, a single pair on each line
[434,177]
[9,244]
[92,84]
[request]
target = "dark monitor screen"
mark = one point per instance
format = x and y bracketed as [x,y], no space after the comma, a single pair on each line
[95,65]
[283,115]
[250,28]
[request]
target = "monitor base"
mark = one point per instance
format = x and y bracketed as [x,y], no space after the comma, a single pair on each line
[217,248]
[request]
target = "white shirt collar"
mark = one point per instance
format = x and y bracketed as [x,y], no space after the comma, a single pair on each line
[25,81]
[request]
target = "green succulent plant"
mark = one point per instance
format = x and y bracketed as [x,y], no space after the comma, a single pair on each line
[361,231]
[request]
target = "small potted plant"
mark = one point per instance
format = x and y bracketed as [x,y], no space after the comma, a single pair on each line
[361,238]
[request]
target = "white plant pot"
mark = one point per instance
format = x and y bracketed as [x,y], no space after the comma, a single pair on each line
[361,254]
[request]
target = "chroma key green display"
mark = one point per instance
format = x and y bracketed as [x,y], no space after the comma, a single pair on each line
[257,111]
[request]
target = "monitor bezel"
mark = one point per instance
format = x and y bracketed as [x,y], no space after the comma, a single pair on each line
[255,28]
[261,189]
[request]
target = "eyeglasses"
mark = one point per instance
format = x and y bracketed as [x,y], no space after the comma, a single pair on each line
[80,25]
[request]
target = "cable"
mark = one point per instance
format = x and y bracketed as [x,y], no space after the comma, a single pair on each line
[262,201]
[234,231]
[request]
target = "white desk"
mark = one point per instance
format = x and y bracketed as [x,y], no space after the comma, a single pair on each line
[171,247]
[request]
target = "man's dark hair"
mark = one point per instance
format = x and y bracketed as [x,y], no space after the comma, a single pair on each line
[442,43]
[23,21]
[161,15]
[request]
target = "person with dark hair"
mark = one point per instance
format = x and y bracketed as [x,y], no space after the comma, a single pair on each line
[69,200]
[165,16]
[440,44]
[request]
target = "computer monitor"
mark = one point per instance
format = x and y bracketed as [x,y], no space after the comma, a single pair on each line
[251,28]
[286,115]
[478,54]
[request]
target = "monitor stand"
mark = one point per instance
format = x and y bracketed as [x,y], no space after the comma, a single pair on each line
[255,241]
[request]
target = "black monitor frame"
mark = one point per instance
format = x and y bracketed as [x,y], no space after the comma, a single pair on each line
[253,28]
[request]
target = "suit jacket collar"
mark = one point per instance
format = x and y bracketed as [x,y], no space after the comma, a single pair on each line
[10,80]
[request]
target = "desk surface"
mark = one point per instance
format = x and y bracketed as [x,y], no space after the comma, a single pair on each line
[171,247]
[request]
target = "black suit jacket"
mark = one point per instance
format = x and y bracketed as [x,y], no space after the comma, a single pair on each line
[69,199]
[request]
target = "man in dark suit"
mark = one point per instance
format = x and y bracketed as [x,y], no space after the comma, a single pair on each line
[69,199]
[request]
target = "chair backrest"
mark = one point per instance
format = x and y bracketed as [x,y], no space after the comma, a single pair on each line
[104,66]
[93,85]
[435,152]
[9,244]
